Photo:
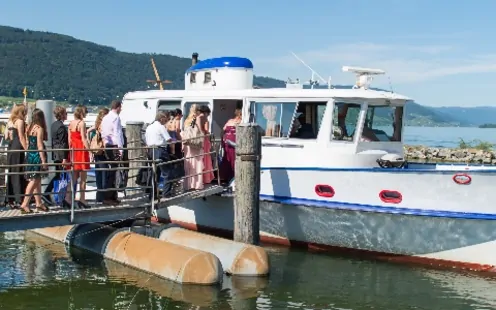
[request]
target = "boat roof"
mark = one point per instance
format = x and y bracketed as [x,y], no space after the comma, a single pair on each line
[222,62]
[269,93]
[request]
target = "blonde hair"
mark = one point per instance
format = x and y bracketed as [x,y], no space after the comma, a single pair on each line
[18,112]
[80,112]
[192,113]
[99,117]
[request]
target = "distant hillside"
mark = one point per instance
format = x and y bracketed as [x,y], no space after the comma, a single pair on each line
[67,69]
[419,115]
[475,115]
[60,66]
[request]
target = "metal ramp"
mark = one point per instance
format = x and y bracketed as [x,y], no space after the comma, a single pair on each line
[129,208]
[135,205]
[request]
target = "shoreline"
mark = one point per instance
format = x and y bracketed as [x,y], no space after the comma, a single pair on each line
[420,153]
[426,154]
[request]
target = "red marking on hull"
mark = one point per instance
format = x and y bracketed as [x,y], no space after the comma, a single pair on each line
[324,190]
[388,196]
[462,179]
[316,247]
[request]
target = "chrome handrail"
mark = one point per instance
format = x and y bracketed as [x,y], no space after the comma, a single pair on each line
[120,164]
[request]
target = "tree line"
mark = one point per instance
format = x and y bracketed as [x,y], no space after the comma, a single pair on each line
[60,67]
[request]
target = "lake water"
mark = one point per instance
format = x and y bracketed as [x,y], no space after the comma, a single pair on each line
[447,136]
[37,273]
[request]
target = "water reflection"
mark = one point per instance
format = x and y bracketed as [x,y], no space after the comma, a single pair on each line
[38,273]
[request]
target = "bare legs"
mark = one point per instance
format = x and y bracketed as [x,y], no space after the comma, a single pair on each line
[82,186]
[81,176]
[34,187]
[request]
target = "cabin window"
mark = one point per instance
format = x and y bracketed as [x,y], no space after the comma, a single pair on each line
[208,78]
[308,119]
[275,118]
[168,105]
[345,119]
[192,77]
[382,123]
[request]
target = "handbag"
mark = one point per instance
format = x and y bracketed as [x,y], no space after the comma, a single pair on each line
[60,187]
[192,136]
[96,144]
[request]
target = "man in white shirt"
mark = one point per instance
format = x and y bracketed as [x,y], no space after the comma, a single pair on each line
[113,137]
[156,135]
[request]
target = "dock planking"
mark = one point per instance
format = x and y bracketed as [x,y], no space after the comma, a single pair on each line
[130,207]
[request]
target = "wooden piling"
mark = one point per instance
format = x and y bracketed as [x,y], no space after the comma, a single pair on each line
[133,136]
[247,178]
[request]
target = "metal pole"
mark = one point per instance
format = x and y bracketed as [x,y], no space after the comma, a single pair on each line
[73,192]
[150,209]
[154,173]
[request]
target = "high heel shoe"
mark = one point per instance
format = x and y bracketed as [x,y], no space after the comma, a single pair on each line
[42,207]
[83,205]
[26,211]
[12,205]
[66,205]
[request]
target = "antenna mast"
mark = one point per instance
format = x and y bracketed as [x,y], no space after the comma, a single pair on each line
[314,73]
[158,81]
[364,76]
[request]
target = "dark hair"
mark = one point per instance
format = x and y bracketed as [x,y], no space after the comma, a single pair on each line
[204,109]
[38,118]
[176,112]
[116,104]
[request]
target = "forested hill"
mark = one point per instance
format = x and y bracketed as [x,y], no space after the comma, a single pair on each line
[60,66]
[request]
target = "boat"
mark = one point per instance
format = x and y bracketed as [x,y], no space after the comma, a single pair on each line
[346,186]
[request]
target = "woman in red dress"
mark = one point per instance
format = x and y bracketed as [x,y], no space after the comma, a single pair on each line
[80,157]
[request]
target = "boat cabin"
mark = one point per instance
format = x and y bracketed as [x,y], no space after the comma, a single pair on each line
[327,127]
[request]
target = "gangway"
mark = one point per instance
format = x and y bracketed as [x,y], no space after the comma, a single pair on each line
[12,219]
[131,206]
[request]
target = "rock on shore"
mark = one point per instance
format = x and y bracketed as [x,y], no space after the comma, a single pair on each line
[433,154]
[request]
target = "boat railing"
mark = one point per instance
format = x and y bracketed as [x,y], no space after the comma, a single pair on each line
[134,159]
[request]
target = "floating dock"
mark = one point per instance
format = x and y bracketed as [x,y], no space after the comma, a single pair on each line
[166,260]
[171,252]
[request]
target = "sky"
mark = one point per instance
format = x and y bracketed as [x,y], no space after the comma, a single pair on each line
[438,52]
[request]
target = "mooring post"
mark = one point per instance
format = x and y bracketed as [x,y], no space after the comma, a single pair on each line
[133,136]
[247,178]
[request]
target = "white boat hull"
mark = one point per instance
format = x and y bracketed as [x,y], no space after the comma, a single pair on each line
[455,226]
[464,243]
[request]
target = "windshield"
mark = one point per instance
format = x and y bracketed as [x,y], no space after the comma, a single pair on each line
[382,123]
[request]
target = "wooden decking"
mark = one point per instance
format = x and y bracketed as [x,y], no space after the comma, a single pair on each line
[11,220]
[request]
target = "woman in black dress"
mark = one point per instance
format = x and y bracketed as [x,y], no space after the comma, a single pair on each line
[16,138]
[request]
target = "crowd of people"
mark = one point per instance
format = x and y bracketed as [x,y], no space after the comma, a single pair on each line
[76,146]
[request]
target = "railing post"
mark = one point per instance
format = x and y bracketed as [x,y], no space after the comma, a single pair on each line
[149,212]
[73,190]
[133,136]
[247,178]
